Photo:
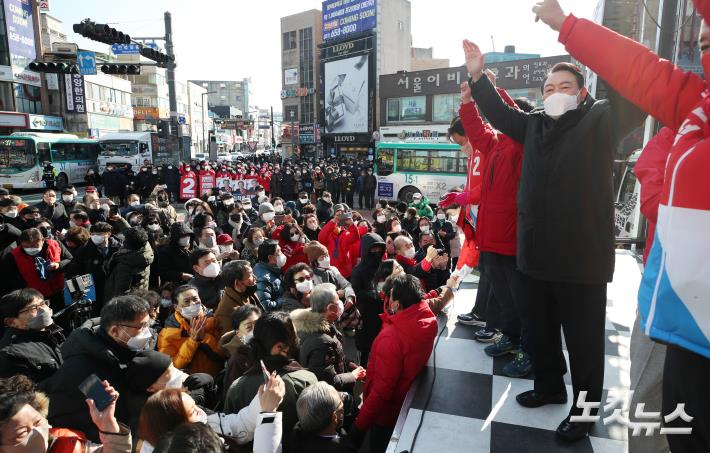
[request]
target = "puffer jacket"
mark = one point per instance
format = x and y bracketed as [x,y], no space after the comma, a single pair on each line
[675,289]
[173,260]
[423,208]
[497,212]
[398,354]
[269,285]
[35,354]
[321,349]
[195,357]
[127,270]
[339,241]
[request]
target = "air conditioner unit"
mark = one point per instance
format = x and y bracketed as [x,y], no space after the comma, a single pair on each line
[68,48]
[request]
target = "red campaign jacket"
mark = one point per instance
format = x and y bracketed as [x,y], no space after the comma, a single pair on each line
[339,245]
[497,212]
[355,247]
[398,354]
[649,170]
[293,250]
[26,266]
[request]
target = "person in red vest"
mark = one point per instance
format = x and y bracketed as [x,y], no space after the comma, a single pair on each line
[37,263]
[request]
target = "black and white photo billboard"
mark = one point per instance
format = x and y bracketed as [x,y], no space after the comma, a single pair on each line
[346,83]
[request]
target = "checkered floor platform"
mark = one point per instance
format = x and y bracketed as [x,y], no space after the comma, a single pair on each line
[473,407]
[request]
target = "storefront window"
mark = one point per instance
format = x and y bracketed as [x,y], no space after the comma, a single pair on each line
[27,98]
[445,107]
[406,109]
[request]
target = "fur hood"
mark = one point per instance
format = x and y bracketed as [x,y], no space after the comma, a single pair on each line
[307,322]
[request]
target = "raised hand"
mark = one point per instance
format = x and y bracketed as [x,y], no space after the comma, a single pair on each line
[474,59]
[465,93]
[272,393]
[491,76]
[550,12]
[105,420]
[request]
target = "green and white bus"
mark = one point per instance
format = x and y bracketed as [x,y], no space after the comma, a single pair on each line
[431,169]
[23,154]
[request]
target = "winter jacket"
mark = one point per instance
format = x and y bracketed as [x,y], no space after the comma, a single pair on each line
[398,354]
[309,442]
[35,354]
[338,241]
[649,170]
[249,252]
[321,349]
[230,301]
[675,289]
[239,360]
[113,184]
[127,270]
[55,213]
[367,303]
[204,356]
[423,208]
[174,260]
[90,259]
[449,230]
[268,285]
[332,275]
[90,351]
[248,425]
[369,183]
[497,212]
[209,289]
[20,269]
[324,211]
[296,378]
[566,191]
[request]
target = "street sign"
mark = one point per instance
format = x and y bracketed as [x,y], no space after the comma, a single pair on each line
[181,119]
[130,49]
[87,62]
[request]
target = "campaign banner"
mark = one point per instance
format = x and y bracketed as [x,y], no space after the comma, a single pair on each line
[188,186]
[207,182]
[224,182]
[244,186]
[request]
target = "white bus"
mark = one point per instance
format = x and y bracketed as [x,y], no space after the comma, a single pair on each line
[23,154]
[121,148]
[432,169]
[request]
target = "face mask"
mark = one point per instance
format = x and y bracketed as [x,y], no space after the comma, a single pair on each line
[303,200]
[211,270]
[341,309]
[11,214]
[416,200]
[380,286]
[67,198]
[97,239]
[557,104]
[209,242]
[409,253]
[280,260]
[295,238]
[170,167]
[201,416]
[324,263]
[32,251]
[305,286]
[397,228]
[258,242]
[454,218]
[154,227]
[134,203]
[268,216]
[184,241]
[441,216]
[140,341]
[247,338]
[278,207]
[212,224]
[166,303]
[381,219]
[226,248]
[228,202]
[246,206]
[36,441]
[424,228]
[191,311]
[42,319]
[176,379]
[260,193]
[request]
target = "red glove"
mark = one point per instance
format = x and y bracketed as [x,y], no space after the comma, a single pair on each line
[450,198]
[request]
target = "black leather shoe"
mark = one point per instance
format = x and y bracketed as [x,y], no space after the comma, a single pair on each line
[531,398]
[573,431]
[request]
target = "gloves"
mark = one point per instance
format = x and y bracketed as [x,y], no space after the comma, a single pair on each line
[453,197]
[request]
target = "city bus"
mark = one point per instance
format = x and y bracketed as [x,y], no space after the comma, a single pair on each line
[23,154]
[432,169]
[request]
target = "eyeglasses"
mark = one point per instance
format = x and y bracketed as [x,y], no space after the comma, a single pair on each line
[303,279]
[35,307]
[141,327]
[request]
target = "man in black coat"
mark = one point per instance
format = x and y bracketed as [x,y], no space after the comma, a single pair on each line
[114,185]
[51,209]
[171,178]
[565,239]
[106,351]
[369,186]
[173,260]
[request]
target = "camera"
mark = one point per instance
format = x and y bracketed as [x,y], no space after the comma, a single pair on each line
[79,309]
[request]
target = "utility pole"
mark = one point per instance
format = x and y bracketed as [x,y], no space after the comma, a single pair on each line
[170,72]
[666,42]
[273,139]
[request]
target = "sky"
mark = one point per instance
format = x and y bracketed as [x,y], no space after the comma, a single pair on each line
[234,39]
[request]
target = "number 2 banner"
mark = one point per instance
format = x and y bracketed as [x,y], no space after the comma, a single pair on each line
[188,186]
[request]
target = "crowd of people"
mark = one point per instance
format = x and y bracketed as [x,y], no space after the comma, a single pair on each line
[224,326]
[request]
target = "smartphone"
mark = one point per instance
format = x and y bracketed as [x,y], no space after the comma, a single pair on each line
[267,375]
[93,389]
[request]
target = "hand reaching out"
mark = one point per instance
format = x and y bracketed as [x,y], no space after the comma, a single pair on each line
[550,12]
[474,59]
[105,420]
[465,93]
[272,393]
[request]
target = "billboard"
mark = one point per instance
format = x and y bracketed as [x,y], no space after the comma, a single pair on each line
[344,18]
[291,76]
[346,83]
[20,32]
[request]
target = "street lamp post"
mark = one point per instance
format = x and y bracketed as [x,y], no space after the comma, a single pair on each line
[204,140]
[293,135]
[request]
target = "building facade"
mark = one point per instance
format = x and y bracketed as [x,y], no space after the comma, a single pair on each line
[300,70]
[227,93]
[423,59]
[199,120]
[150,97]
[52,32]
[97,104]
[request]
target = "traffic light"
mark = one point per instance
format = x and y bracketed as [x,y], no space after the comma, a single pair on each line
[121,69]
[55,67]
[159,57]
[101,33]
[164,129]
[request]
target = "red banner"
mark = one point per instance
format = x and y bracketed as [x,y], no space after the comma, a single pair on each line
[188,186]
[207,182]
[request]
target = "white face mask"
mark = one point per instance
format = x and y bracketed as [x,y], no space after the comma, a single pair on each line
[397,228]
[228,202]
[305,286]
[409,253]
[441,216]
[295,238]
[557,104]
[212,224]
[303,200]
[258,241]
[209,242]
[247,338]
[280,260]
[424,228]
[454,218]
[226,248]
[139,342]
[191,311]
[211,270]
[324,262]
[32,251]
[246,206]
[134,203]
[67,198]
[268,216]
[11,214]
[97,239]
[36,441]
[177,378]
[184,241]
[381,219]
[153,227]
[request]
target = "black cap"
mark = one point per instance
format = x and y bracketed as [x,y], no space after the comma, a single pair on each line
[5,202]
[145,368]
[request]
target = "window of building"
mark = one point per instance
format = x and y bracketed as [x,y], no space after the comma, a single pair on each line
[4,53]
[307,110]
[406,109]
[305,38]
[445,107]
[289,40]
[27,99]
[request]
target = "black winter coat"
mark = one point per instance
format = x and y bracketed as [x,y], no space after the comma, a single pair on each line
[89,259]
[56,213]
[114,184]
[324,211]
[369,305]
[32,353]
[172,259]
[566,195]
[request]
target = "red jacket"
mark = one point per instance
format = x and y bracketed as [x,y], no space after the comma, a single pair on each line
[497,212]
[649,170]
[355,247]
[293,250]
[339,245]
[26,266]
[398,354]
